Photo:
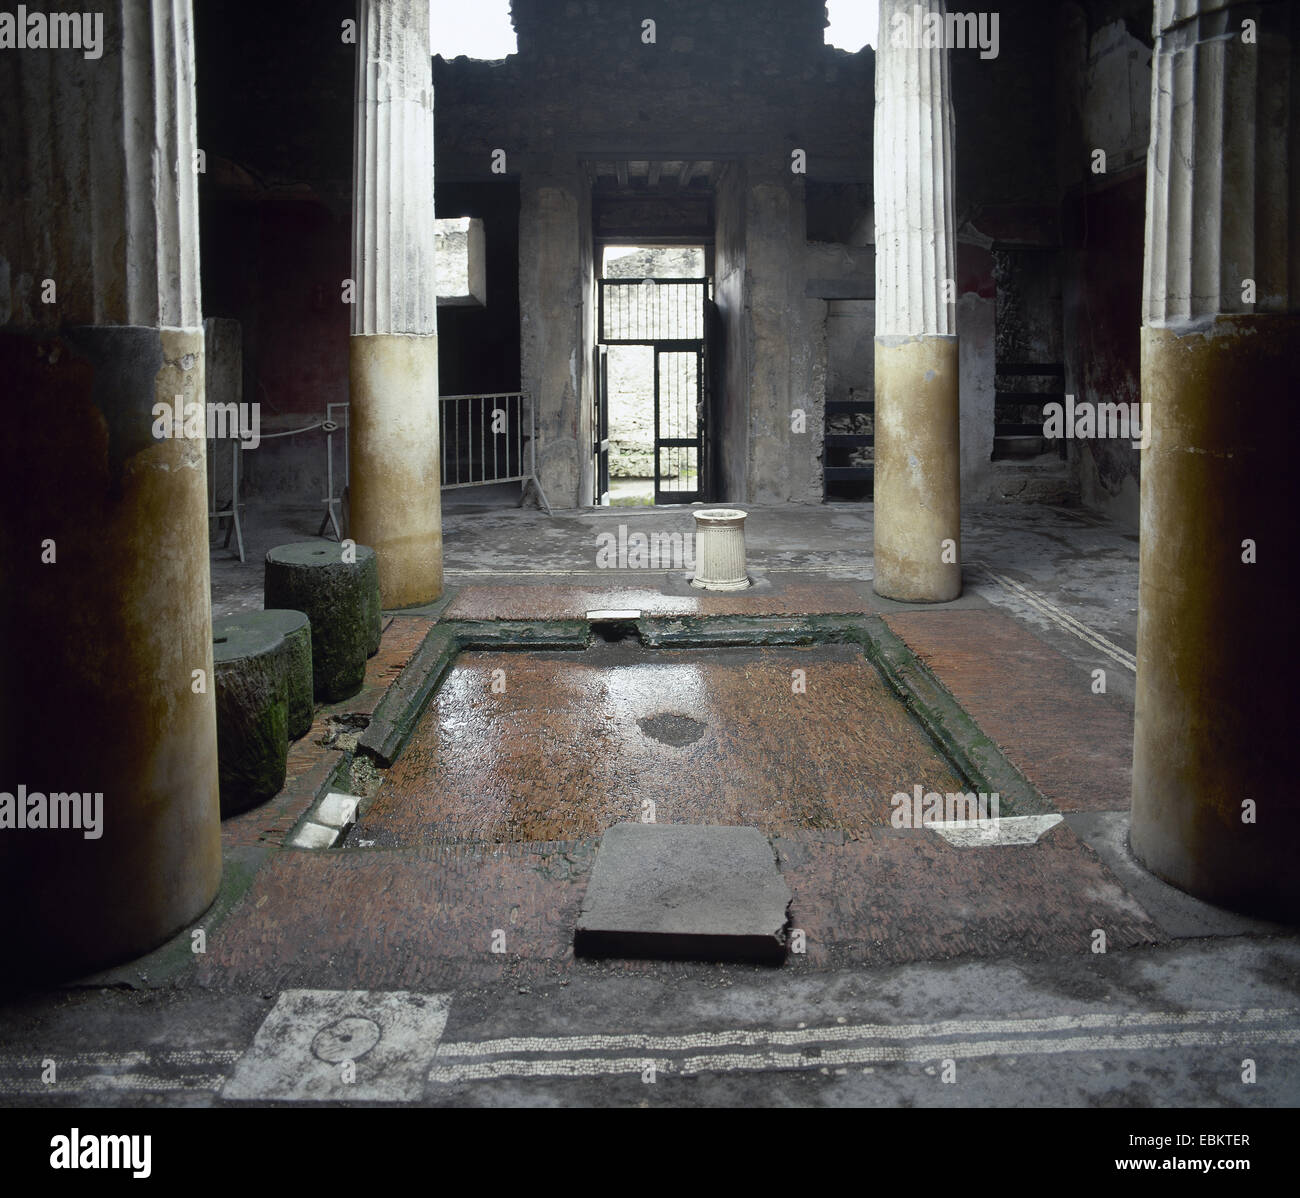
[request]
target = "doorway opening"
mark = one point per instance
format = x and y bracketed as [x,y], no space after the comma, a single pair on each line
[651,419]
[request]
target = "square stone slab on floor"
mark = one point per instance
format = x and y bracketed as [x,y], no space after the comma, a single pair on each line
[685,891]
[301,1051]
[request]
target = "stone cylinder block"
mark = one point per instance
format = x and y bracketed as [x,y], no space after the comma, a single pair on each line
[295,629]
[338,598]
[250,665]
[369,564]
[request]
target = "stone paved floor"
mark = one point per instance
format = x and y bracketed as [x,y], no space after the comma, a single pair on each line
[1054,971]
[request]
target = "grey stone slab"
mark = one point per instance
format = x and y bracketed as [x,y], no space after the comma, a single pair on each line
[342,1046]
[338,811]
[684,891]
[316,836]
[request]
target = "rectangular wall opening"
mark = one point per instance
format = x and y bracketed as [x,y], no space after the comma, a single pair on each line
[651,399]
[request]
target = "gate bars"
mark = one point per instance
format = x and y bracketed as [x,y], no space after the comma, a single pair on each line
[484,439]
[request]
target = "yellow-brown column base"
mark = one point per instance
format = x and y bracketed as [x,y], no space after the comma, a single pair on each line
[101,645]
[918,470]
[394,464]
[1216,685]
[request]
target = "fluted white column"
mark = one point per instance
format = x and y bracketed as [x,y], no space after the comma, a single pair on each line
[105,613]
[917,458]
[1221,170]
[393,419]
[1214,804]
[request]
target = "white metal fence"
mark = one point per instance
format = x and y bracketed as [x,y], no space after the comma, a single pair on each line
[486,439]
[483,440]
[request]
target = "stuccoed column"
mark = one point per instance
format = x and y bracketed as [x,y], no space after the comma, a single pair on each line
[1215,807]
[917,449]
[106,663]
[396,505]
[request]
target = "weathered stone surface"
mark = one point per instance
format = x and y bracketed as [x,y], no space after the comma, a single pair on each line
[100,206]
[295,627]
[337,811]
[114,653]
[1210,479]
[917,530]
[681,890]
[1215,480]
[316,836]
[555,258]
[293,652]
[395,499]
[394,259]
[369,564]
[338,598]
[287,636]
[918,474]
[916,243]
[99,647]
[252,713]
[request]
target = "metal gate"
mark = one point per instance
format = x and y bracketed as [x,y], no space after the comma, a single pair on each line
[679,395]
[600,426]
[669,316]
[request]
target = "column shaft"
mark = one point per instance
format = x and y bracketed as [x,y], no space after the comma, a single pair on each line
[1214,808]
[393,429]
[917,445]
[557,312]
[109,824]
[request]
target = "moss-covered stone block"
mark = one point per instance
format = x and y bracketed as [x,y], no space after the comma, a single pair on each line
[249,664]
[295,653]
[340,597]
[295,627]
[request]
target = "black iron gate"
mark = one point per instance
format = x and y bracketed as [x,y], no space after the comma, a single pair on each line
[667,315]
[600,427]
[679,399]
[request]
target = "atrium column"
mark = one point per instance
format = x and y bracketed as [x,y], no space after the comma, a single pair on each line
[1215,806]
[396,503]
[109,819]
[917,463]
